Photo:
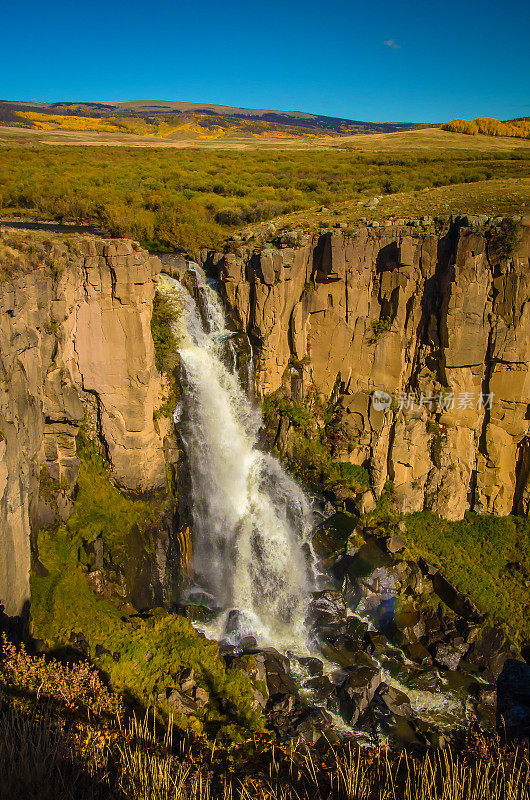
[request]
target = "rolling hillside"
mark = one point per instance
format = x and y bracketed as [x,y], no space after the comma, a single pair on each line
[166,120]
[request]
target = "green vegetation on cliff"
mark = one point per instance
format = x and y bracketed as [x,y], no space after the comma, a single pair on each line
[484,556]
[307,438]
[143,654]
[162,321]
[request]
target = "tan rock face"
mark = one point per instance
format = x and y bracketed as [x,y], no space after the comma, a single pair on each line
[419,311]
[74,340]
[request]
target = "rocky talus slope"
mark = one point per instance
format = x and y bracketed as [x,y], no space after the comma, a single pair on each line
[75,345]
[437,315]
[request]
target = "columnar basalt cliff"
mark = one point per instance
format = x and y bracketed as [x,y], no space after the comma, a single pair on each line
[75,344]
[424,309]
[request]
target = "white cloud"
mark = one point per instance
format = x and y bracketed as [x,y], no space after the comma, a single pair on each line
[392,44]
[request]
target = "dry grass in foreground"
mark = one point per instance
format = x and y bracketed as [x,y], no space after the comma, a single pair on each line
[63,737]
[41,758]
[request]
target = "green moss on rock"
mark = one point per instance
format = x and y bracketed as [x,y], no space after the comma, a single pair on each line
[142,655]
[312,443]
[484,556]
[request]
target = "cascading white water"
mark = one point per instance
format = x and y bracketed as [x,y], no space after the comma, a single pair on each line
[251,520]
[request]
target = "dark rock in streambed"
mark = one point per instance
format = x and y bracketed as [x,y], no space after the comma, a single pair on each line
[406,625]
[394,700]
[376,643]
[227,649]
[311,725]
[418,653]
[331,535]
[368,565]
[513,700]
[247,643]
[457,601]
[313,665]
[449,654]
[357,692]
[484,703]
[276,667]
[196,613]
[357,629]
[327,608]
[424,680]
[235,621]
[322,691]
[290,717]
[371,582]
[342,651]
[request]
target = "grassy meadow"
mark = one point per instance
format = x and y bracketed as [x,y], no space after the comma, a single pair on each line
[196,197]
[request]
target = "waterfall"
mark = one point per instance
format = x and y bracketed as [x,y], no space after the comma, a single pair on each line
[251,521]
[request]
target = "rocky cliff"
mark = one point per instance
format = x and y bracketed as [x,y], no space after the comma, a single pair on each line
[436,314]
[75,344]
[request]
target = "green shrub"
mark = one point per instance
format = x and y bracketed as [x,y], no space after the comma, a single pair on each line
[380,327]
[313,439]
[186,199]
[163,319]
[504,239]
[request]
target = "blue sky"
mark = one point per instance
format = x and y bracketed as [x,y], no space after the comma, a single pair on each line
[380,60]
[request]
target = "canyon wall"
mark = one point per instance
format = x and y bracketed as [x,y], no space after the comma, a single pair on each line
[75,344]
[435,314]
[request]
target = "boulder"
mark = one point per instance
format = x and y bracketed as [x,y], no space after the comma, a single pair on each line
[277,672]
[181,702]
[394,700]
[394,544]
[322,690]
[253,664]
[449,654]
[418,653]
[311,725]
[187,679]
[357,692]
[484,702]
[313,665]
[201,696]
[344,650]
[327,608]
[456,600]
[489,652]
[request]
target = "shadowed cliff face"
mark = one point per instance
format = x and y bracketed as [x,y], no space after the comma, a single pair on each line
[437,316]
[75,343]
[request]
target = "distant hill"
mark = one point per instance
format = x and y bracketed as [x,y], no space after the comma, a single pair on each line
[167,119]
[487,126]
